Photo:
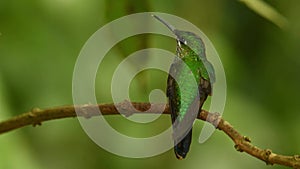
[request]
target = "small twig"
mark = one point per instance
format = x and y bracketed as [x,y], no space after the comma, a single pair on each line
[242,143]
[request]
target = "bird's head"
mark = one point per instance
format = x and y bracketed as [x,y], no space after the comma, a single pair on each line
[186,41]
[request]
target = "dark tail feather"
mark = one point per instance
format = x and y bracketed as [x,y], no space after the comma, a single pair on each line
[182,148]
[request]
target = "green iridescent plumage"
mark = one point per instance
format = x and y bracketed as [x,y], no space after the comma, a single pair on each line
[189,83]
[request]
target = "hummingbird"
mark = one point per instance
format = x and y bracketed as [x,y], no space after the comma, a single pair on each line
[189,83]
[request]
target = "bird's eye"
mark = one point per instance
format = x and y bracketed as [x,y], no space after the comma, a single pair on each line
[183,41]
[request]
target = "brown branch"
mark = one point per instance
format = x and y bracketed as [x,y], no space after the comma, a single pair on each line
[242,143]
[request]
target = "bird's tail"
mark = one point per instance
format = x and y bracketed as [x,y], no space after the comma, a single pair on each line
[182,148]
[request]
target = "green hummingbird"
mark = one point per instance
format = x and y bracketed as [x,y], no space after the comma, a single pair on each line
[189,84]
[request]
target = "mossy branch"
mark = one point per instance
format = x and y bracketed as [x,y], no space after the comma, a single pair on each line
[242,143]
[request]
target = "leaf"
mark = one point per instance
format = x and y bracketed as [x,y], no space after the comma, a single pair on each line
[267,11]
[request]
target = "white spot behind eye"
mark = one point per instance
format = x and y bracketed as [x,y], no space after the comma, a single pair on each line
[185,42]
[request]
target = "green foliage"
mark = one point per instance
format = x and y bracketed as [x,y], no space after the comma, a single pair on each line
[265,10]
[39,44]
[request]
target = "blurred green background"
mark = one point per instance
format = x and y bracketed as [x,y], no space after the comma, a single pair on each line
[40,41]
